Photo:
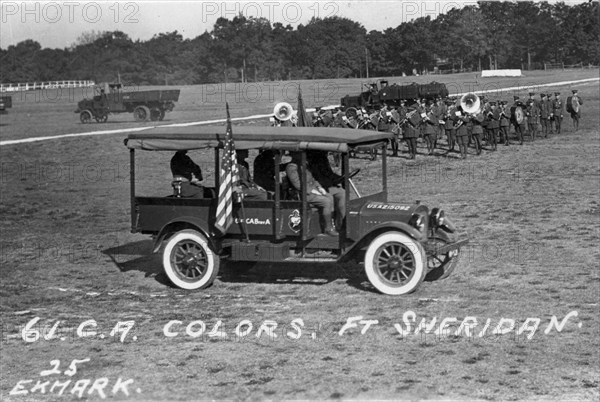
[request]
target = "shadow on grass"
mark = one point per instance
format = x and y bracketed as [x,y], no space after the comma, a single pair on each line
[138,256]
[315,274]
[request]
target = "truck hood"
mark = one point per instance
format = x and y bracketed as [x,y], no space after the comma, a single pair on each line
[402,211]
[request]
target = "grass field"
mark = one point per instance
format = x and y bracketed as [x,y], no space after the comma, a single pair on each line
[532,213]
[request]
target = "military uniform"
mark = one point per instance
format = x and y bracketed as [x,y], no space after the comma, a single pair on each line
[450,120]
[533,115]
[558,108]
[462,134]
[410,133]
[504,123]
[245,184]
[430,124]
[545,115]
[441,112]
[187,175]
[519,127]
[477,122]
[316,195]
[493,124]
[575,115]
[398,116]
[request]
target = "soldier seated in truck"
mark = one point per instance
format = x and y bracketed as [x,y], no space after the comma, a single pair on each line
[187,176]
[319,166]
[245,184]
[316,195]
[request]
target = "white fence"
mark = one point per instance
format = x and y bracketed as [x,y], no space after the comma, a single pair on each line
[501,73]
[29,86]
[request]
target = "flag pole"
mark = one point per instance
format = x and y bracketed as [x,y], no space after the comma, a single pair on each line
[239,196]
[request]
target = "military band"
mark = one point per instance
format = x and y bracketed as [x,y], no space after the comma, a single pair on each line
[429,120]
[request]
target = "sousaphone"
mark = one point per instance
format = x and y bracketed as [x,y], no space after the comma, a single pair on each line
[283,111]
[470,103]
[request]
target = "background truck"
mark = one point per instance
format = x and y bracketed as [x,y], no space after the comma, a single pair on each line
[5,103]
[379,92]
[110,99]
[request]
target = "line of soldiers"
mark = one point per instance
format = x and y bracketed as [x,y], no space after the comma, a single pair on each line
[432,119]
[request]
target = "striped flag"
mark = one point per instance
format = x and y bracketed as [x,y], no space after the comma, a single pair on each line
[228,176]
[303,120]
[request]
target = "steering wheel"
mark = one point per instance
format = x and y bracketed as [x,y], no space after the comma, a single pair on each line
[348,175]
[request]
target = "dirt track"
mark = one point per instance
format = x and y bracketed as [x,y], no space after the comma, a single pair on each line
[532,213]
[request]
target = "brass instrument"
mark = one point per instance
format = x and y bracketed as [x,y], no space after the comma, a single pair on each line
[471,105]
[283,111]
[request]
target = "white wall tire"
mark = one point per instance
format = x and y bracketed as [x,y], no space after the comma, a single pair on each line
[395,263]
[189,261]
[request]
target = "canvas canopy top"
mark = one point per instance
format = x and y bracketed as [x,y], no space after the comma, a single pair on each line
[253,137]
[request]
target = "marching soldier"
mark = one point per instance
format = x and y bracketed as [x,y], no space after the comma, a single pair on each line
[545,114]
[575,114]
[410,132]
[430,124]
[477,123]
[533,115]
[398,117]
[440,112]
[462,134]
[557,111]
[487,129]
[493,124]
[504,123]
[519,126]
[450,123]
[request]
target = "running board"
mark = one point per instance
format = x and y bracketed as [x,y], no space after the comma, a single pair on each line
[310,258]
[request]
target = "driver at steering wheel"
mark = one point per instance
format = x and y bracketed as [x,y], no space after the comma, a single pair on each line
[318,165]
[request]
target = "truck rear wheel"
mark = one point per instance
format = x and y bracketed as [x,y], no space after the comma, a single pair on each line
[141,113]
[85,117]
[395,263]
[189,262]
[155,114]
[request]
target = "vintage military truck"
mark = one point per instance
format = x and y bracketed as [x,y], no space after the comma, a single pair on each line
[110,99]
[400,243]
[381,92]
[5,103]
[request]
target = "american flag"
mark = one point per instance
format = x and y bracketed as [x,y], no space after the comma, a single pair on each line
[303,120]
[229,175]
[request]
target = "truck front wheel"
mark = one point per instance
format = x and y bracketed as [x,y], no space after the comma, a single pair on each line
[141,113]
[85,117]
[395,263]
[189,261]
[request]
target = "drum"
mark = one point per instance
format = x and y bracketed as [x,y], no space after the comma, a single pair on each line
[572,104]
[517,114]
[351,113]
[414,118]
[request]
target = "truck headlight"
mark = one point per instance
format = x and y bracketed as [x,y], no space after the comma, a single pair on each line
[417,222]
[437,217]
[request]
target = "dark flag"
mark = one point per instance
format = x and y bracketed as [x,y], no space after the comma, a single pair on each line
[303,120]
[229,175]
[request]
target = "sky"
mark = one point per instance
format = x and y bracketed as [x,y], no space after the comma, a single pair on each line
[57,24]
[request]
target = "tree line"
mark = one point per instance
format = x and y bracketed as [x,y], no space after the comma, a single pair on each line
[489,35]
